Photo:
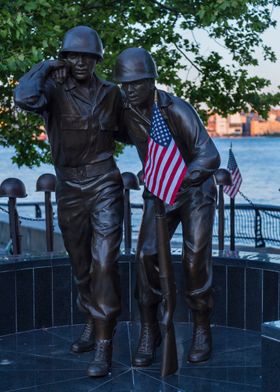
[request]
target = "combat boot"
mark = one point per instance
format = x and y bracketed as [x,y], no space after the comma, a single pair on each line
[201,346]
[102,360]
[150,339]
[86,341]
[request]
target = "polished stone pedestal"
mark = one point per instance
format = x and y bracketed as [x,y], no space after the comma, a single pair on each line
[40,361]
[271,356]
[39,318]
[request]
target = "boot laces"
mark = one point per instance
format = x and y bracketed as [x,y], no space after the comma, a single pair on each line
[86,334]
[147,339]
[102,351]
[200,336]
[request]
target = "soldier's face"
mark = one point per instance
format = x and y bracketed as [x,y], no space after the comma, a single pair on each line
[139,92]
[82,65]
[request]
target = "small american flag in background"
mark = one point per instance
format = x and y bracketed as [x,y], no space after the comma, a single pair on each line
[164,169]
[232,190]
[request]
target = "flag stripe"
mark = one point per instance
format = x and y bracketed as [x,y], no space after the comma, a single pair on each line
[177,173]
[158,158]
[161,167]
[183,173]
[151,148]
[168,173]
[164,167]
[172,179]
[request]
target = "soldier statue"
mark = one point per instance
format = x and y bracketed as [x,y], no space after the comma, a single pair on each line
[194,206]
[81,118]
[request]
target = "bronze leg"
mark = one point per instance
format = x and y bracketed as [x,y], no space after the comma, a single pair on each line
[197,222]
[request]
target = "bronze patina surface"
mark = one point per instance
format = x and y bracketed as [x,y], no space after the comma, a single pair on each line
[194,206]
[81,117]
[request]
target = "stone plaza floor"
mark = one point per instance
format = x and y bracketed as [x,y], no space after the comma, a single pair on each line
[40,361]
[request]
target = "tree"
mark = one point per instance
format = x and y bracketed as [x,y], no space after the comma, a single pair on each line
[32,30]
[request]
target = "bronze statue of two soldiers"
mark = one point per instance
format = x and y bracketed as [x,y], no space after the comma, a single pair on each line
[83,117]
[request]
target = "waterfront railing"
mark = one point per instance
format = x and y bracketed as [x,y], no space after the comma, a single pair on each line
[255,225]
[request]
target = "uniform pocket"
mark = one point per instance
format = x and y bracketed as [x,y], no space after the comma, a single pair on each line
[108,126]
[105,140]
[70,122]
[74,133]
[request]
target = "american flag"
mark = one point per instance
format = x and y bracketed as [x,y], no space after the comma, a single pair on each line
[232,190]
[164,169]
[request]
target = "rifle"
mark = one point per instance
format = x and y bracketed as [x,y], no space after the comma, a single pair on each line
[169,363]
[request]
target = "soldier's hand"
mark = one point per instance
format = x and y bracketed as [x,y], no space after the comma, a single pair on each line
[58,70]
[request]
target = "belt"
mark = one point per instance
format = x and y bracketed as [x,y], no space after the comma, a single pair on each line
[85,171]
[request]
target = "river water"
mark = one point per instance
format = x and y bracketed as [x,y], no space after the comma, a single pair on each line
[257,157]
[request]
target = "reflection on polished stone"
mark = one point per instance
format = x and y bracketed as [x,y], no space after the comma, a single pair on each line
[271,356]
[41,361]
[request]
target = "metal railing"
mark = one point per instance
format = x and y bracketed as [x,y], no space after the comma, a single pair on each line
[39,208]
[257,226]
[253,225]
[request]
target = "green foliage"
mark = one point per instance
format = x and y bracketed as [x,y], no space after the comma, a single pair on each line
[32,30]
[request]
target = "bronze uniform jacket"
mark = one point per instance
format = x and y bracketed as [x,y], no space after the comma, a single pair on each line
[197,148]
[81,129]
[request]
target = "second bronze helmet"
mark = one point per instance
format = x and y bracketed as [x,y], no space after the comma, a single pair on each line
[134,64]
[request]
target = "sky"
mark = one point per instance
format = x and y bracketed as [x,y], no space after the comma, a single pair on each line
[265,69]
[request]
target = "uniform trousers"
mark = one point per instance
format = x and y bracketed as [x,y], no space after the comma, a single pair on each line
[90,216]
[194,209]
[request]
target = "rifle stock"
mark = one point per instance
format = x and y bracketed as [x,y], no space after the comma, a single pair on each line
[169,363]
[169,358]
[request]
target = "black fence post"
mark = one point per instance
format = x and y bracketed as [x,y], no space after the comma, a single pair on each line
[14,226]
[46,183]
[232,224]
[127,222]
[221,223]
[13,188]
[223,177]
[38,212]
[49,221]
[130,181]
[259,241]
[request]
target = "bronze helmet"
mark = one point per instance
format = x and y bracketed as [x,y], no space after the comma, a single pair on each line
[130,181]
[82,39]
[46,183]
[134,64]
[13,187]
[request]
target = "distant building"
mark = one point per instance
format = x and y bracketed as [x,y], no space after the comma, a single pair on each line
[271,126]
[232,125]
[244,124]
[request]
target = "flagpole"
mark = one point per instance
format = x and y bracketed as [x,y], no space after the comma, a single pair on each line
[232,224]
[231,191]
[221,218]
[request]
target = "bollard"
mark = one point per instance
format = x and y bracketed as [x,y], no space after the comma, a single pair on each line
[46,183]
[13,188]
[140,176]
[232,224]
[223,177]
[130,181]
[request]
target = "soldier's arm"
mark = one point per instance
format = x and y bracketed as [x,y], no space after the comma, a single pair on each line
[204,157]
[34,88]
[122,135]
